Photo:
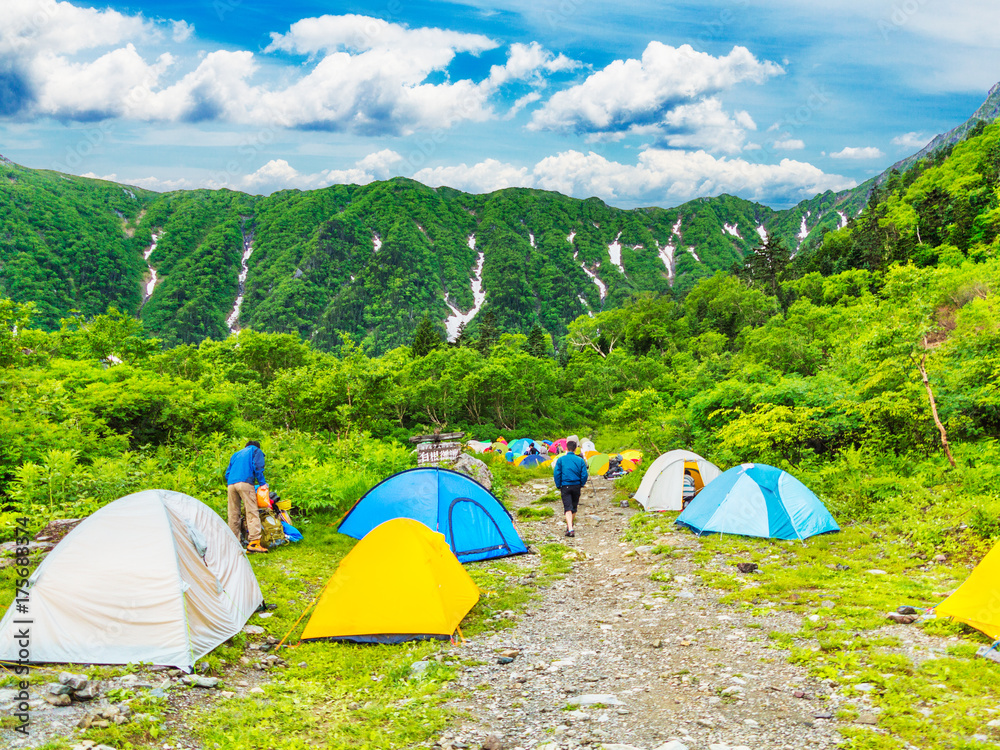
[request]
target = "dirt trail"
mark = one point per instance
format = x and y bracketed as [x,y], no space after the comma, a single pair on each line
[683,667]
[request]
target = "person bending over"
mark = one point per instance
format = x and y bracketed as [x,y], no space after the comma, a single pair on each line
[245,467]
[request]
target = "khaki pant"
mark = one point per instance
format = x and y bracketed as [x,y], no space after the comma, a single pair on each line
[244,491]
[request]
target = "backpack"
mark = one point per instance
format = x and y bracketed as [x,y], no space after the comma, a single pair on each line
[272,533]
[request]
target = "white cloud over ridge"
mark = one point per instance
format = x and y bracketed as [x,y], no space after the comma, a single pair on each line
[659,177]
[858,153]
[911,140]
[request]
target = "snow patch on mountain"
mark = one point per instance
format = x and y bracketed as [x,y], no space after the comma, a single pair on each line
[615,252]
[376,241]
[804,230]
[531,239]
[666,253]
[691,250]
[457,317]
[232,320]
[151,284]
[731,229]
[843,220]
[762,232]
[583,301]
[601,286]
[569,238]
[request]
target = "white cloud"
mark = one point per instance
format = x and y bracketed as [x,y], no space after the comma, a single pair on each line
[660,177]
[528,61]
[484,177]
[641,91]
[672,88]
[790,144]
[530,98]
[910,140]
[858,153]
[364,33]
[149,183]
[181,31]
[278,174]
[364,75]
[705,124]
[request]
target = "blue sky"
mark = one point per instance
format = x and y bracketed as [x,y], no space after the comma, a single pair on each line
[638,103]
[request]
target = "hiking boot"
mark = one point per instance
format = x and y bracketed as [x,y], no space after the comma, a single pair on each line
[256,547]
[570,533]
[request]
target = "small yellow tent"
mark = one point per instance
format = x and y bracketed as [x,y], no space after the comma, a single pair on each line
[977,601]
[400,583]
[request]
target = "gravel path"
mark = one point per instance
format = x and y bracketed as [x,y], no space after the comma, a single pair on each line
[675,668]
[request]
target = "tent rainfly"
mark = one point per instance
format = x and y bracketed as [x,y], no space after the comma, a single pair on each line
[400,583]
[758,500]
[473,521]
[977,601]
[153,577]
[662,487]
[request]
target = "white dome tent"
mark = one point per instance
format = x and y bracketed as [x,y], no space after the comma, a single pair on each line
[154,577]
[662,487]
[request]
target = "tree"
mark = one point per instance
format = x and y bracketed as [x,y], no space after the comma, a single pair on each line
[536,345]
[489,334]
[765,265]
[426,339]
[462,337]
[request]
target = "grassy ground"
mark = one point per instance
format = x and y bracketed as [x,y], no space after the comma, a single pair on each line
[329,694]
[930,688]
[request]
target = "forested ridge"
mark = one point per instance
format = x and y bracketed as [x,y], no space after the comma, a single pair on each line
[365,261]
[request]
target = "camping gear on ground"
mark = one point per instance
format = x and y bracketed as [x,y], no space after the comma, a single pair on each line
[632,455]
[292,534]
[479,446]
[475,523]
[662,487]
[586,445]
[272,532]
[263,497]
[614,469]
[155,577]
[558,446]
[400,583]
[975,601]
[757,500]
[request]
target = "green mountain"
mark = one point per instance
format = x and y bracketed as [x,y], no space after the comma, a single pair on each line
[369,262]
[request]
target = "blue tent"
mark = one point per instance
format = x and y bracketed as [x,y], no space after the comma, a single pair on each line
[758,500]
[534,459]
[519,446]
[475,524]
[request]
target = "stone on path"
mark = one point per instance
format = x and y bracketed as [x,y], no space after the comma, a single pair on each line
[197,680]
[673,745]
[604,699]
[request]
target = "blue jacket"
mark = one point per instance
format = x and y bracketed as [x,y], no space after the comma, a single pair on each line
[246,465]
[570,470]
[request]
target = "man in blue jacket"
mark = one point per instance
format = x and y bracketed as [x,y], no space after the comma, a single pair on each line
[246,467]
[570,475]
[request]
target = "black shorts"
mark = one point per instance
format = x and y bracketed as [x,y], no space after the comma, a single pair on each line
[570,498]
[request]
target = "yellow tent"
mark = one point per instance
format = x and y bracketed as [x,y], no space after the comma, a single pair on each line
[632,455]
[976,601]
[400,583]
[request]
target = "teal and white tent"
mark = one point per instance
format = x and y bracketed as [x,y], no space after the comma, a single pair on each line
[758,500]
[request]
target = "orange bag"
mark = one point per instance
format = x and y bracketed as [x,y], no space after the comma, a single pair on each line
[263,497]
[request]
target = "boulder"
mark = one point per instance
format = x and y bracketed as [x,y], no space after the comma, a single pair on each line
[473,467]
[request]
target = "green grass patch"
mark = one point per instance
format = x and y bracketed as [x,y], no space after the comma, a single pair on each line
[534,514]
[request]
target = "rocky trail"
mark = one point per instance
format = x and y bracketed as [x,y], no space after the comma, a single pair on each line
[608,656]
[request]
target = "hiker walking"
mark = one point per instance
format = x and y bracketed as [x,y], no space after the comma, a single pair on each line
[245,467]
[570,475]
